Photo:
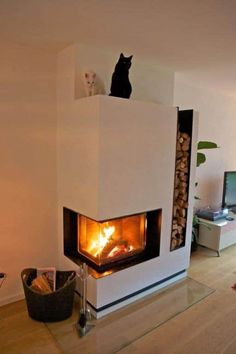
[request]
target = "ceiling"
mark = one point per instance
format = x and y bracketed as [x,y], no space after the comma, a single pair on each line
[195,37]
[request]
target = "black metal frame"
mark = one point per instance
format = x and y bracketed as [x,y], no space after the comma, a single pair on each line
[151,250]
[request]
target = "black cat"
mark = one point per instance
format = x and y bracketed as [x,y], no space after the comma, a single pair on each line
[120,84]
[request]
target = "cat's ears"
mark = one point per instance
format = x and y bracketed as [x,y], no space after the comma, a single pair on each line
[122,56]
[91,73]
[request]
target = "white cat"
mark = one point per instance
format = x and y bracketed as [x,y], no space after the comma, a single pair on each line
[90,81]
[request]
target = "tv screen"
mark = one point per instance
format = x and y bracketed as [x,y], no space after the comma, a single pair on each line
[229,189]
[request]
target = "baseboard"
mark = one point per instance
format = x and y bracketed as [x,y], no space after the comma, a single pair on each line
[9,300]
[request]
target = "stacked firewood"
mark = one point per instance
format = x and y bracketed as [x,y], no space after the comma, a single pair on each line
[180,190]
[41,285]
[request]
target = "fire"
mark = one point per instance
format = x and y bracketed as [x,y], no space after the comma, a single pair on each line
[108,241]
[104,238]
[101,240]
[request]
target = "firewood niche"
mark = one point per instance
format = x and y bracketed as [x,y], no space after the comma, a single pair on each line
[181,183]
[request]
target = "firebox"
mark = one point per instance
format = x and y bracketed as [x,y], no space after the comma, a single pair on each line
[112,244]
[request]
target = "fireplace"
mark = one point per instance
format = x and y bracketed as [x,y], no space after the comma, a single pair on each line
[117,163]
[112,244]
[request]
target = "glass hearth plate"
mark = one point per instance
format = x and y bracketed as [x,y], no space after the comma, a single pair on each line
[123,327]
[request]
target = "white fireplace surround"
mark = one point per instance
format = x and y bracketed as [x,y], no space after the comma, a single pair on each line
[116,157]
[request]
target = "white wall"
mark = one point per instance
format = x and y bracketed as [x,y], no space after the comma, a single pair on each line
[28,143]
[217,122]
[28,123]
[28,164]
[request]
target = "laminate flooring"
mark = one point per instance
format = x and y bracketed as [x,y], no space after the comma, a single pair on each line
[195,316]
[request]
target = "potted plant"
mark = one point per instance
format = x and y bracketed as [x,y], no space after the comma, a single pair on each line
[201,159]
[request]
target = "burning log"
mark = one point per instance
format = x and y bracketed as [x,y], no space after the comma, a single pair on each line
[113,247]
[118,251]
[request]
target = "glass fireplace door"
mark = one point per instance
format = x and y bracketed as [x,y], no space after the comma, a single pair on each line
[112,240]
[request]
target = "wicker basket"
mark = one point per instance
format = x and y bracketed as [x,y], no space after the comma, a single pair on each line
[56,306]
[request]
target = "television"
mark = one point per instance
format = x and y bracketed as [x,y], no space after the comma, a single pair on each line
[229,190]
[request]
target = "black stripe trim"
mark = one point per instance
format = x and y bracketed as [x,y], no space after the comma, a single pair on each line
[135,293]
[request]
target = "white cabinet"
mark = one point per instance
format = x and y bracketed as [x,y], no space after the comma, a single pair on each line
[217,235]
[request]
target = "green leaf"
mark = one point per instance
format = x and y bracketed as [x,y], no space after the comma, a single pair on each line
[195,221]
[201,158]
[206,145]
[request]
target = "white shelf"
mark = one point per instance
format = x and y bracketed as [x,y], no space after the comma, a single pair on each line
[217,235]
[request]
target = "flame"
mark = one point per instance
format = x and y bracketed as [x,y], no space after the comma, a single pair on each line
[100,241]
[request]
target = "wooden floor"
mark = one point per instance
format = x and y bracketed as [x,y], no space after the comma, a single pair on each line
[208,327]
